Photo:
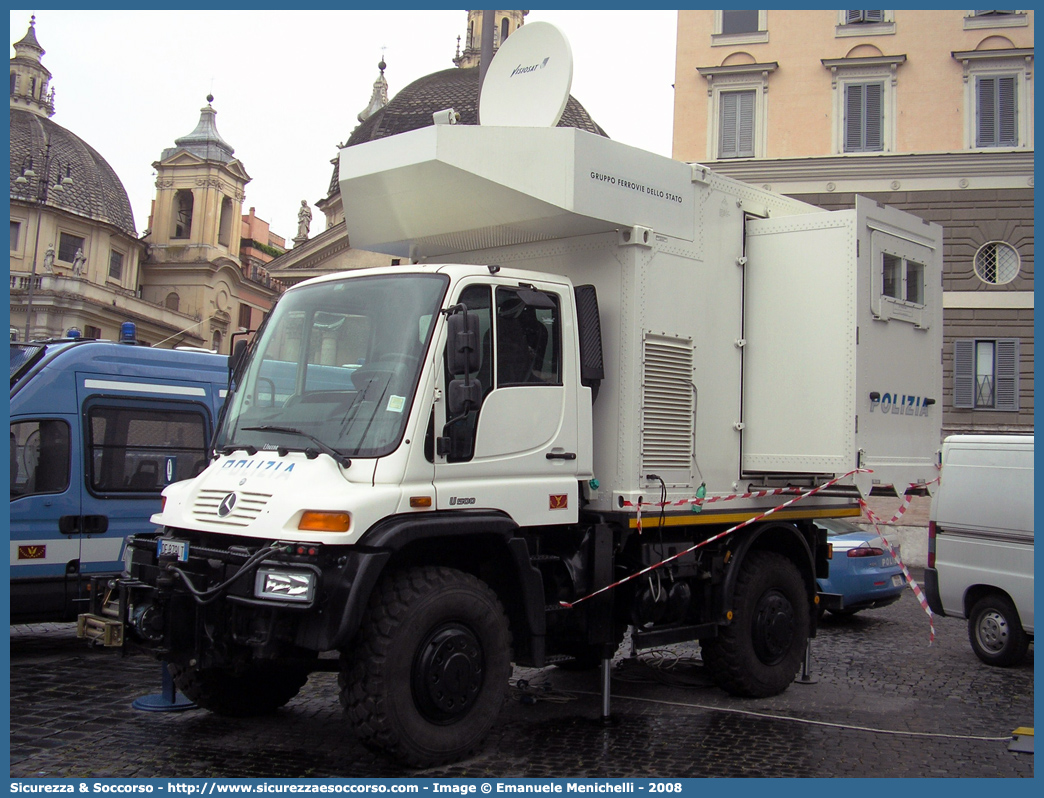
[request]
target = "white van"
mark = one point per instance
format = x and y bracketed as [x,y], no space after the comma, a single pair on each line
[980,543]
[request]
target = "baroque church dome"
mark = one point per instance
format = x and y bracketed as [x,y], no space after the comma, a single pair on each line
[96,192]
[456,88]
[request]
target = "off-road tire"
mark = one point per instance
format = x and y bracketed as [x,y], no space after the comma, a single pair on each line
[427,674]
[759,653]
[259,689]
[995,632]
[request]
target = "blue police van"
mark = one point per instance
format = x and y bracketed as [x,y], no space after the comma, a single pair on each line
[98,429]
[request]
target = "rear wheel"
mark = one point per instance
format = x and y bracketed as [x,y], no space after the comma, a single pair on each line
[258,689]
[760,652]
[426,677]
[996,635]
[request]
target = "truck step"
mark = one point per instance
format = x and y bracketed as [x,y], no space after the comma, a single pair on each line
[544,558]
[99,630]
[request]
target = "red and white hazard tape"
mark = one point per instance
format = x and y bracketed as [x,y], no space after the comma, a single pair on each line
[918,593]
[720,535]
[758,494]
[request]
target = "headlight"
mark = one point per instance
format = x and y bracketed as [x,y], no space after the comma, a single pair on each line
[284,585]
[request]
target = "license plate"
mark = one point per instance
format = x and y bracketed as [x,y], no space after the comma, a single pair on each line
[897,580]
[179,549]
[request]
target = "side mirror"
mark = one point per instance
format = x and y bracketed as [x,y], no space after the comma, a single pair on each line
[235,360]
[464,396]
[462,344]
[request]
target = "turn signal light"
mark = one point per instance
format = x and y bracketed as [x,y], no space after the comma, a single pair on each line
[320,521]
[420,501]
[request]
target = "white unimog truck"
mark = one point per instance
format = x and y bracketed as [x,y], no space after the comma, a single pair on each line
[587,350]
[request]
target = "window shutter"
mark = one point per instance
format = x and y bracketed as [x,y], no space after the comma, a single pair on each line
[1006,112]
[873,120]
[987,128]
[737,125]
[853,117]
[1007,374]
[727,148]
[964,373]
[854,17]
[745,135]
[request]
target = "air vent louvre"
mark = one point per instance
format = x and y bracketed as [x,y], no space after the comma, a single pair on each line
[667,407]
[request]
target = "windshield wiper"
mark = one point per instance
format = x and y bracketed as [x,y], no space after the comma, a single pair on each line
[311,454]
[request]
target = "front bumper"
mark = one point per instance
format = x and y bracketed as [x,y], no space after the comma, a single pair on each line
[230,599]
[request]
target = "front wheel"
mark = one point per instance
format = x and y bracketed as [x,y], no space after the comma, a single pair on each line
[426,677]
[996,635]
[760,652]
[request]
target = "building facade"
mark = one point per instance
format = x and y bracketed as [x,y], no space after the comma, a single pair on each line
[928,111]
[195,236]
[75,254]
[77,262]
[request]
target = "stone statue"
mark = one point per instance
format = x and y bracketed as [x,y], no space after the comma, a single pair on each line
[48,263]
[304,220]
[79,261]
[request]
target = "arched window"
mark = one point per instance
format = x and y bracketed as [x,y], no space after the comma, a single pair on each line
[471,34]
[216,341]
[225,228]
[32,87]
[172,301]
[182,214]
[503,29]
[14,82]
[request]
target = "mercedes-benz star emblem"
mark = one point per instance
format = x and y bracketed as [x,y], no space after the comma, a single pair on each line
[227,504]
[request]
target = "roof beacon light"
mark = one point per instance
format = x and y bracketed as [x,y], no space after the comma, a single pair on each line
[128,333]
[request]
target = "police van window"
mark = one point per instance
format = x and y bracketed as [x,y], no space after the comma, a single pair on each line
[132,449]
[528,341]
[40,455]
[479,302]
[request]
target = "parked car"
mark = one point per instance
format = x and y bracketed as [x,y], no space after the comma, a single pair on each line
[980,543]
[863,574]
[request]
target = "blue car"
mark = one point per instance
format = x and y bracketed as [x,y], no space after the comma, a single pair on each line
[863,574]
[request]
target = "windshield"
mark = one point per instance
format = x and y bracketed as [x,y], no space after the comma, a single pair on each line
[336,367]
[23,356]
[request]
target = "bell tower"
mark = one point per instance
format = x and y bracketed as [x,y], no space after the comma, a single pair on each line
[30,79]
[195,233]
[507,22]
[198,207]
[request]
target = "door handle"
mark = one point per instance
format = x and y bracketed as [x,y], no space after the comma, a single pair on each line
[95,524]
[560,455]
[86,524]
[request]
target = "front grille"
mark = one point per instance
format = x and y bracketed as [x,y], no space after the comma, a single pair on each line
[247,508]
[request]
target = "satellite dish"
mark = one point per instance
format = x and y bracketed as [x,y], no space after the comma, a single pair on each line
[527,82]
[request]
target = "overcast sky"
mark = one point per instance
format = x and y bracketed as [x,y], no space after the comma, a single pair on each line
[288,85]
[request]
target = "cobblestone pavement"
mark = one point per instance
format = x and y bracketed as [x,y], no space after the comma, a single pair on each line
[884,703]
